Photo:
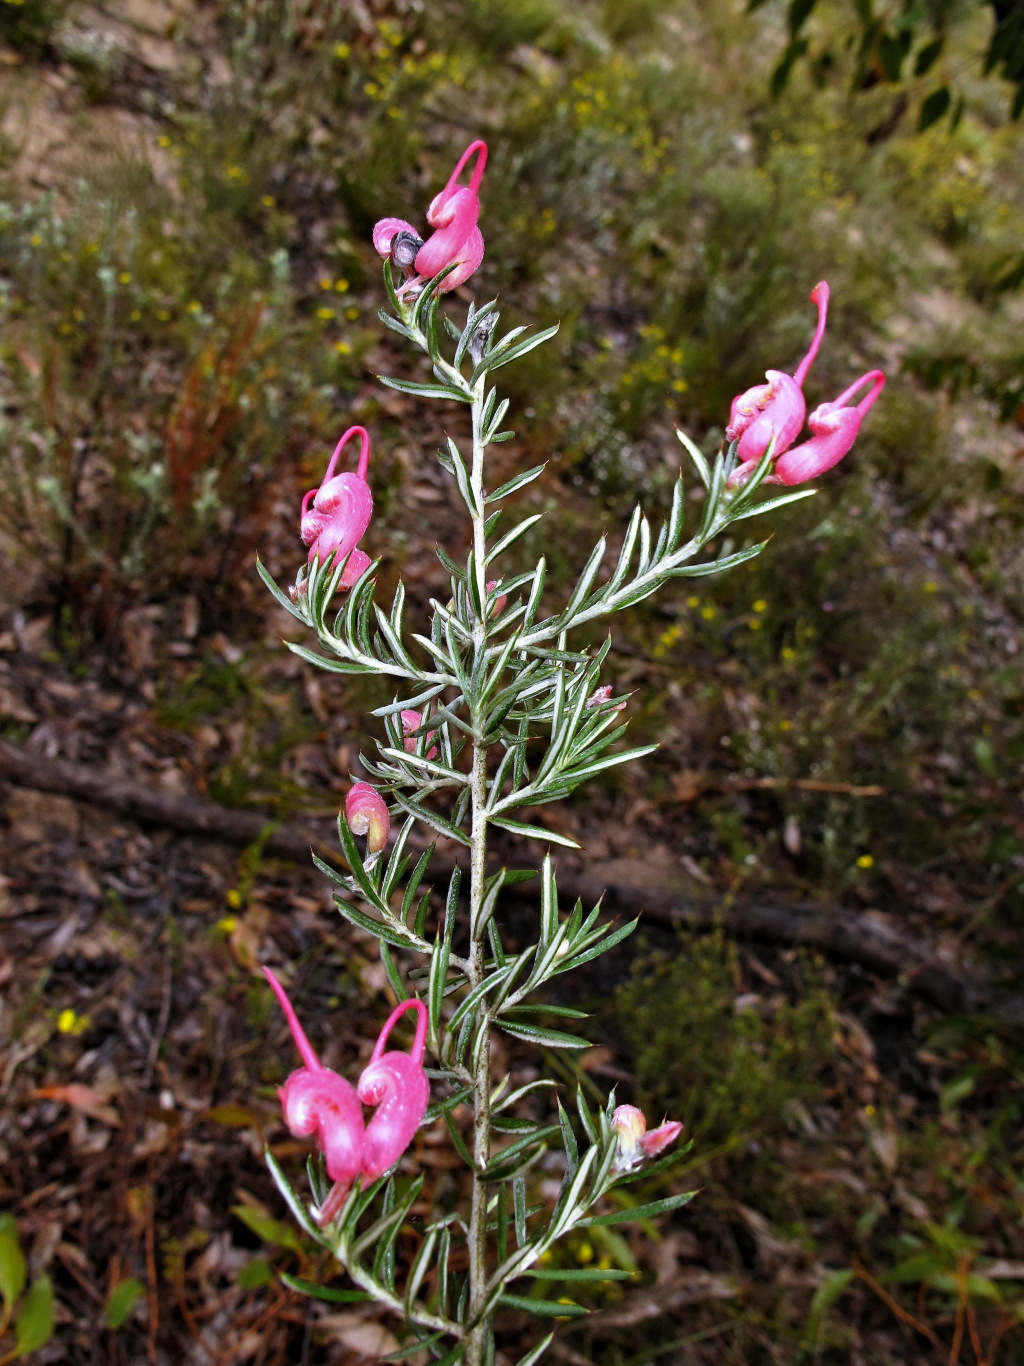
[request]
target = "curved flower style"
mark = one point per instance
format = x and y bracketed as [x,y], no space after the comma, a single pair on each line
[835,429]
[341,512]
[776,409]
[396,1083]
[635,1142]
[411,722]
[456,240]
[367,814]
[318,1101]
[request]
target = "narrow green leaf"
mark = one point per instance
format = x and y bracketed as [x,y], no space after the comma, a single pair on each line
[293,1202]
[573,960]
[281,597]
[625,1216]
[398,938]
[545,1309]
[533,832]
[770,504]
[535,1353]
[502,1159]
[513,485]
[12,1268]
[414,1346]
[418,390]
[548,1038]
[419,1269]
[572,1151]
[34,1325]
[121,1301]
[697,456]
[393,975]
[519,1205]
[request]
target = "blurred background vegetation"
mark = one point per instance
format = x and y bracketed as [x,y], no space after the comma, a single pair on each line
[188,315]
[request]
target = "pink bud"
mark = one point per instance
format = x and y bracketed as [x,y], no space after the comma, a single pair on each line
[635,1143]
[498,605]
[776,409]
[317,1101]
[367,814]
[835,429]
[397,1084]
[601,698]
[411,721]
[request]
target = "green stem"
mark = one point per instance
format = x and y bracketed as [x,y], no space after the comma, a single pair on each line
[478,874]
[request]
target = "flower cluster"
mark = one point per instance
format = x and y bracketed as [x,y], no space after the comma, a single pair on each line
[455,245]
[318,1101]
[768,418]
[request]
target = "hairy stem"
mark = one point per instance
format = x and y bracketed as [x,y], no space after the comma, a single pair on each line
[478,873]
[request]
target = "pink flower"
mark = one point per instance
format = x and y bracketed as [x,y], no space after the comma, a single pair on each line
[600,698]
[341,512]
[367,814]
[775,409]
[317,1101]
[411,721]
[456,239]
[397,1084]
[835,429]
[635,1143]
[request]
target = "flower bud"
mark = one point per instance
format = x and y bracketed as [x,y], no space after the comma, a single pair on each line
[367,814]
[635,1143]
[498,605]
[600,698]
[411,721]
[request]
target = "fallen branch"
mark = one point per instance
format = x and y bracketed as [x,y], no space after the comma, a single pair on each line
[149,806]
[880,947]
[872,942]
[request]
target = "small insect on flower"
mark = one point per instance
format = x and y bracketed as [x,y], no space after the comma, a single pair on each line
[367,814]
[456,240]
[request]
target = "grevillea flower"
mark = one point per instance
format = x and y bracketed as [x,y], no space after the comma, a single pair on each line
[397,1084]
[635,1142]
[776,409]
[367,814]
[341,512]
[317,1101]
[600,698]
[411,722]
[835,429]
[456,240]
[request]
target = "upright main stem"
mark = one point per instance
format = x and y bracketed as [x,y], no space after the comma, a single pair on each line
[476,1341]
